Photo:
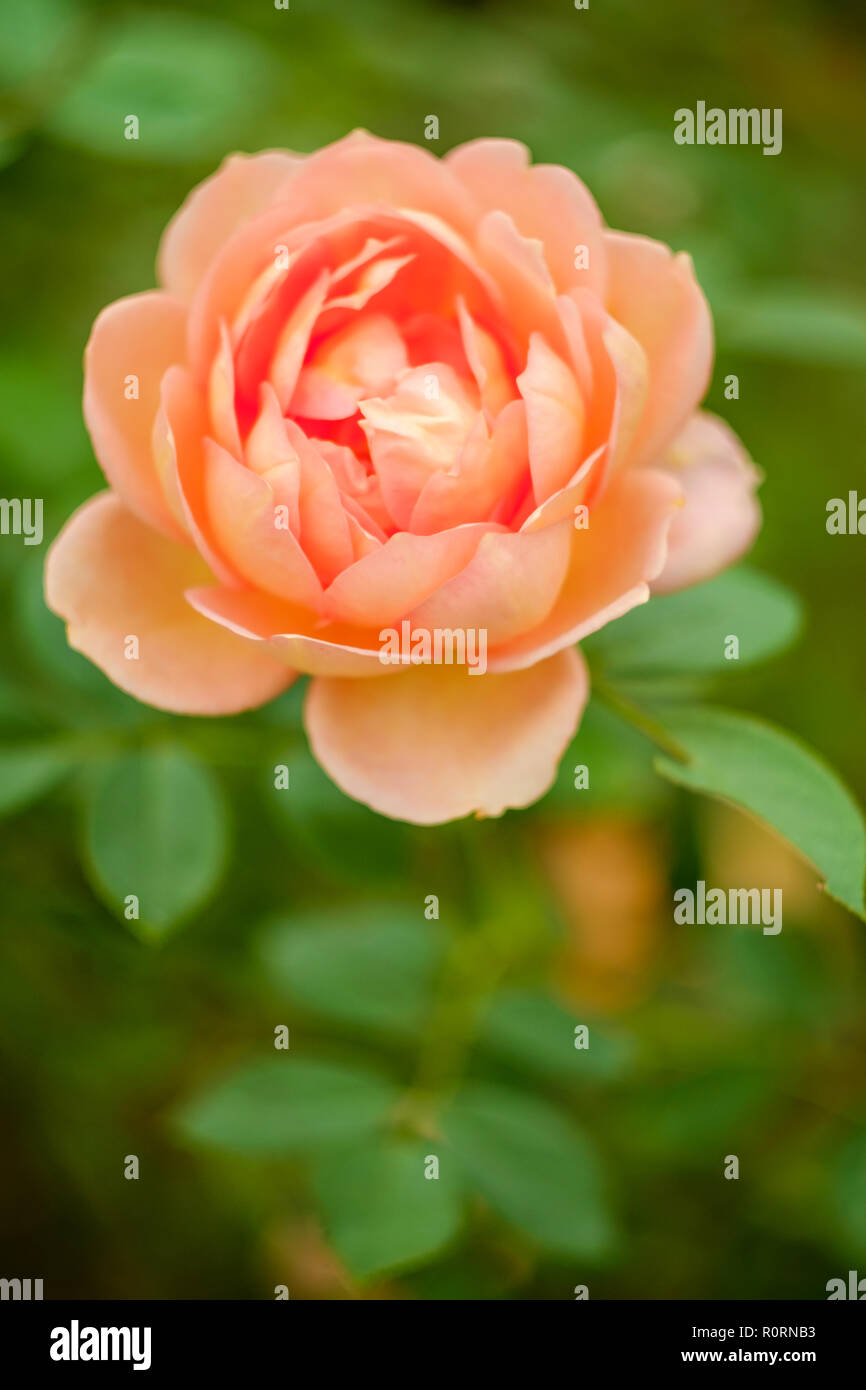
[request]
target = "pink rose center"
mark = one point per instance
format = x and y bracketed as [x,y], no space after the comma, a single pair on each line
[386,350]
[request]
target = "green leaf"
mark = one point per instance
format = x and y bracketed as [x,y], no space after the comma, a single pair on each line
[344,838]
[695,1116]
[534,1166]
[619,764]
[27,772]
[370,966]
[380,1210]
[33,37]
[794,323]
[84,694]
[45,447]
[848,1195]
[156,828]
[776,778]
[685,633]
[45,636]
[534,1033]
[286,1106]
[790,984]
[193,84]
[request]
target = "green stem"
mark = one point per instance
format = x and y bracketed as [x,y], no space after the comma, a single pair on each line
[639,718]
[479,959]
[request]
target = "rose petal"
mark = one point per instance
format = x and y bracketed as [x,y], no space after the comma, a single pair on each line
[374,278]
[564,503]
[332,651]
[110,577]
[269,452]
[179,449]
[242,187]
[221,397]
[413,433]
[362,359]
[294,340]
[444,266]
[385,585]
[721,516]
[139,337]
[517,265]
[612,563]
[546,201]
[486,361]
[578,356]
[621,384]
[363,169]
[507,588]
[324,532]
[436,743]
[360,491]
[655,296]
[243,514]
[487,475]
[555,418]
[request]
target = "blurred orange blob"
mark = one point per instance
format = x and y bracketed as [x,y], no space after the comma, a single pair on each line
[740,850]
[609,877]
[301,1259]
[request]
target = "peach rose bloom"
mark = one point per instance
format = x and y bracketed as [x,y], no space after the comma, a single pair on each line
[378,386]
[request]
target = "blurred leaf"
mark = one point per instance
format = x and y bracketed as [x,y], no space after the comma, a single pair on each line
[26,773]
[12,146]
[536,1034]
[534,1166]
[286,1106]
[42,446]
[686,632]
[620,765]
[344,837]
[156,828]
[380,1210]
[192,82]
[795,323]
[788,984]
[33,35]
[767,772]
[694,1115]
[849,1192]
[43,635]
[372,967]
[286,710]
[16,712]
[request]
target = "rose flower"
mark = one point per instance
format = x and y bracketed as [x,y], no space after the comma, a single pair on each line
[378,388]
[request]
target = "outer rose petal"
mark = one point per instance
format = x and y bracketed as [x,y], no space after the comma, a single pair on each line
[364,169]
[179,451]
[654,294]
[109,576]
[140,336]
[721,516]
[611,566]
[436,743]
[546,202]
[242,187]
[334,650]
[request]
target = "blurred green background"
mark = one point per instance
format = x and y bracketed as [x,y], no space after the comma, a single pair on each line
[559,1166]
